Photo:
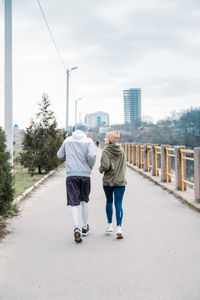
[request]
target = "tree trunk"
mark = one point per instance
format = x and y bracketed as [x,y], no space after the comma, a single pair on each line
[39,170]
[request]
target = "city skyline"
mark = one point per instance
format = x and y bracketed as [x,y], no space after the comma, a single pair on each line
[115,45]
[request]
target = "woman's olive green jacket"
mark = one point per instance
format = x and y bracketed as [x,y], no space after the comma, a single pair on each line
[113,165]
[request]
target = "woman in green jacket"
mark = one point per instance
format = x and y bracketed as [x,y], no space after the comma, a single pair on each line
[113,165]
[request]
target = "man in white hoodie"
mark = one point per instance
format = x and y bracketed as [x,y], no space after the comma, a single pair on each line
[79,153]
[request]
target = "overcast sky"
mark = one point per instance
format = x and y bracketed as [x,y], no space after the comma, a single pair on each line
[149,44]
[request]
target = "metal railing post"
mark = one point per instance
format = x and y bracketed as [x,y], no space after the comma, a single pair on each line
[140,156]
[163,163]
[128,153]
[131,154]
[168,164]
[154,158]
[125,150]
[134,155]
[145,164]
[149,157]
[197,174]
[178,167]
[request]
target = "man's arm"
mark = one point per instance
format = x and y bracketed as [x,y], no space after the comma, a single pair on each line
[61,151]
[91,155]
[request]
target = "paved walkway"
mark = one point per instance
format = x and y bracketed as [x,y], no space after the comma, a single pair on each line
[159,257]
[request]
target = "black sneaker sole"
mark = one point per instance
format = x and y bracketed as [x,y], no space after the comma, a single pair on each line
[77,237]
[119,236]
[85,233]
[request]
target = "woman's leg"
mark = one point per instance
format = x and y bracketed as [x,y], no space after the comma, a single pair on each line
[119,193]
[109,202]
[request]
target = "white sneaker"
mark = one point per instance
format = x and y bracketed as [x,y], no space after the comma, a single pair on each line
[109,228]
[119,234]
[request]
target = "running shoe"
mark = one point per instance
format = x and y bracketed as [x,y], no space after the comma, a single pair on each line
[77,235]
[119,234]
[85,231]
[109,228]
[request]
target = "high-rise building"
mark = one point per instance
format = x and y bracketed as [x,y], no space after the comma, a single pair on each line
[132,107]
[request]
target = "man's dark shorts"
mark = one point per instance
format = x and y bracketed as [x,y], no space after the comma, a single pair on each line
[78,189]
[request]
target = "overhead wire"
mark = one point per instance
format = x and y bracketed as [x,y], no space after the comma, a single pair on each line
[53,40]
[55,44]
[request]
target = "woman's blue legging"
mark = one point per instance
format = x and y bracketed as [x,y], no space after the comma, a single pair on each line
[118,192]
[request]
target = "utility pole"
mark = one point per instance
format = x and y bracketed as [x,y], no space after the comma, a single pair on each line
[8,78]
[67,101]
[76,103]
[67,97]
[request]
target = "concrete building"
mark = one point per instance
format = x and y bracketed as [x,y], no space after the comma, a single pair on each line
[97,120]
[18,136]
[104,130]
[132,107]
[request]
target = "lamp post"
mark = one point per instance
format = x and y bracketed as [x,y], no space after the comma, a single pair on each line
[8,79]
[67,96]
[76,103]
[80,115]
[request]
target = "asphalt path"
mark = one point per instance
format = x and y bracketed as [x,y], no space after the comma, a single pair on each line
[159,257]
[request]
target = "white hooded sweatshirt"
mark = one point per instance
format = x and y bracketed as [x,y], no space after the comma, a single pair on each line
[79,153]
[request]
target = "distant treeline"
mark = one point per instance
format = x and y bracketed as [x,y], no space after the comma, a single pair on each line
[179,129]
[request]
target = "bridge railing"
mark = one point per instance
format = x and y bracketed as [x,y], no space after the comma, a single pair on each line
[157,153]
[158,161]
[183,159]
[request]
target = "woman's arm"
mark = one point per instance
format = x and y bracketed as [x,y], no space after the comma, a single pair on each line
[105,163]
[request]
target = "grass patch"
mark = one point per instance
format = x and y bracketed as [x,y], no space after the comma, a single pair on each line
[22,179]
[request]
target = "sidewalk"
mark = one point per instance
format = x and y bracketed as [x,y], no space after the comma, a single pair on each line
[157,259]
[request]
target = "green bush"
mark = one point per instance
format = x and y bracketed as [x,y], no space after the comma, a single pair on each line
[6,178]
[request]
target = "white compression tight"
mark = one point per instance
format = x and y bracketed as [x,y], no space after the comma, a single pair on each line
[84,213]
[74,213]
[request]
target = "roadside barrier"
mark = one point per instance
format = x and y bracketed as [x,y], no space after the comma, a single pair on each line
[158,161]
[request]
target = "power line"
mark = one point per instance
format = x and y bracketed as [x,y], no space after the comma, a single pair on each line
[53,40]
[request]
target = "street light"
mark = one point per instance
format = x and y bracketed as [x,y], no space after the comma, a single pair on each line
[80,115]
[76,103]
[8,78]
[67,96]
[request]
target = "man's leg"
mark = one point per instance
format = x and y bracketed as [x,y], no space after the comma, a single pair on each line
[74,213]
[85,192]
[84,213]
[86,227]
[77,232]
[73,200]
